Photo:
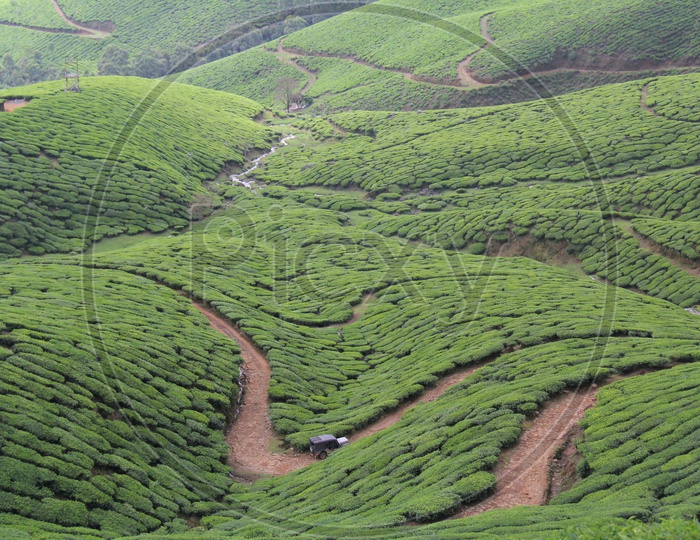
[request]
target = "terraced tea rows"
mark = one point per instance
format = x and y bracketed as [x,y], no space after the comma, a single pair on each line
[116,424]
[122,156]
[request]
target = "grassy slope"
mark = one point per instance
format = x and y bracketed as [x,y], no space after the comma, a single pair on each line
[544,35]
[182,22]
[59,154]
[111,415]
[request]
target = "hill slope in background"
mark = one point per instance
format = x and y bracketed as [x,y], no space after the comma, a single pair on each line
[498,305]
[39,35]
[419,55]
[62,158]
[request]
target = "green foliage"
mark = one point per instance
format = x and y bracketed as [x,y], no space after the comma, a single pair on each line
[252,73]
[65,153]
[497,146]
[115,424]
[642,436]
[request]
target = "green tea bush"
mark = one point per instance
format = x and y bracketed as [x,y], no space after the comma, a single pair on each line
[57,157]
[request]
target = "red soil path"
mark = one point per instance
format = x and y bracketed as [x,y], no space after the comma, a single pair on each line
[522,472]
[10,106]
[252,436]
[84,30]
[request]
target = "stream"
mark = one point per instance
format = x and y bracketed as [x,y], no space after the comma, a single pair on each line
[238,178]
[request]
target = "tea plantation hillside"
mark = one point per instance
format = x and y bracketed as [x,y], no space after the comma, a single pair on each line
[396,34]
[318,275]
[150,32]
[115,425]
[606,132]
[539,331]
[412,55]
[126,155]
[498,305]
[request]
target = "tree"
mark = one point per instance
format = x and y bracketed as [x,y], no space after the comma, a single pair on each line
[114,61]
[285,91]
[151,64]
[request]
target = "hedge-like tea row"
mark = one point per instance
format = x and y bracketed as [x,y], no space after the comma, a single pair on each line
[598,133]
[31,13]
[642,438]
[115,394]
[438,456]
[681,237]
[253,74]
[109,152]
[298,270]
[612,34]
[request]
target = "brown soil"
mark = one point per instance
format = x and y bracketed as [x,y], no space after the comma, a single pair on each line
[429,395]
[358,311]
[645,95]
[563,469]
[672,257]
[251,434]
[522,472]
[288,58]
[85,31]
[407,74]
[10,106]
[553,253]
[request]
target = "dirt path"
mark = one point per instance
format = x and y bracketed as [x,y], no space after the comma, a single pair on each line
[650,245]
[431,394]
[13,105]
[406,74]
[84,30]
[645,95]
[288,58]
[522,471]
[251,434]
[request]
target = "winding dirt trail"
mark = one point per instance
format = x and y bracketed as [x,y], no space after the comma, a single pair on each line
[465,79]
[645,95]
[522,472]
[463,71]
[430,394]
[289,58]
[84,30]
[251,434]
[77,30]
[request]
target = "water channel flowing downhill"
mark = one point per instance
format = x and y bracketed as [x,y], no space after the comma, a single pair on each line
[238,178]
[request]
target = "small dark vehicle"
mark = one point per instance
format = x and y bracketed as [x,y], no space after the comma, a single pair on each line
[321,445]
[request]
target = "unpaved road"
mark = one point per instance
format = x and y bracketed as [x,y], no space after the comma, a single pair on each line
[522,471]
[84,30]
[284,56]
[251,434]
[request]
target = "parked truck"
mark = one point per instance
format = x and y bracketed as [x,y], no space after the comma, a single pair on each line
[323,444]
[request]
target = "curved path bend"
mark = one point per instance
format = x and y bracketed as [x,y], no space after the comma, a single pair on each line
[465,78]
[523,472]
[77,29]
[84,31]
[252,437]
